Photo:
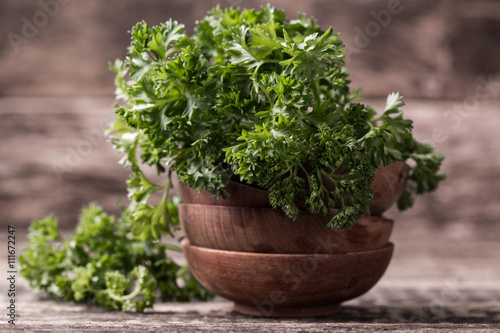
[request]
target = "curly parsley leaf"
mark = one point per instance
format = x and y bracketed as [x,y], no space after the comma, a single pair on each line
[257,98]
[103,262]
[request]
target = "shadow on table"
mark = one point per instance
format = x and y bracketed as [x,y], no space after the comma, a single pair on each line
[477,313]
[462,314]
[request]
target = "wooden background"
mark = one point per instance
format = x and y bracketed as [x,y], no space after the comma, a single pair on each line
[56,96]
[426,49]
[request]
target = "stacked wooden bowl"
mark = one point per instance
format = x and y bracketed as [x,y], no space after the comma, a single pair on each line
[269,265]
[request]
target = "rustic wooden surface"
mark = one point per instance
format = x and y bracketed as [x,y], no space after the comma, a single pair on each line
[430,286]
[425,49]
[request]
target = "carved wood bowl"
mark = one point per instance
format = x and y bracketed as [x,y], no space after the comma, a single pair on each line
[387,186]
[287,285]
[267,230]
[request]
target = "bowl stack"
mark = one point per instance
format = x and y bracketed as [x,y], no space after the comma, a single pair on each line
[269,265]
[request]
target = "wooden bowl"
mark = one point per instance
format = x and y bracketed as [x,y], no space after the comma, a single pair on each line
[267,230]
[287,285]
[387,186]
[242,195]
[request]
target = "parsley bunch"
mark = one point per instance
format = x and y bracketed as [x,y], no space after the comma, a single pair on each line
[257,98]
[104,263]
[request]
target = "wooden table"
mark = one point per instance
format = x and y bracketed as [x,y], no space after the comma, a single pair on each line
[429,286]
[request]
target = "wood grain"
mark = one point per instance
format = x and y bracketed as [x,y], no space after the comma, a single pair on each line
[287,285]
[264,230]
[387,186]
[420,51]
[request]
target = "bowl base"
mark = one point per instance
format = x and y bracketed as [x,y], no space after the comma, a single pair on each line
[273,310]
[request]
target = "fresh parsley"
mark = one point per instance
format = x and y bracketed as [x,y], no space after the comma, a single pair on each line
[256,98]
[250,97]
[104,263]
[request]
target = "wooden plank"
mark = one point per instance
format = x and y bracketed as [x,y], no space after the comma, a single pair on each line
[428,287]
[418,50]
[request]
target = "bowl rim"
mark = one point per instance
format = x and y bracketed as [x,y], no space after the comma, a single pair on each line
[333,211]
[187,243]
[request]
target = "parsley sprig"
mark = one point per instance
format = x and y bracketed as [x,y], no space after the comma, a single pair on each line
[256,97]
[105,264]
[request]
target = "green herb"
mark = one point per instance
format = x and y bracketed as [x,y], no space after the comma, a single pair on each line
[103,262]
[262,99]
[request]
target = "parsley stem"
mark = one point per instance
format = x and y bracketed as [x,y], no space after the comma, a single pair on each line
[316,90]
[137,290]
[173,247]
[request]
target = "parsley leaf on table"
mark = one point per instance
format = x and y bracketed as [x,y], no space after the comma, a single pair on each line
[103,262]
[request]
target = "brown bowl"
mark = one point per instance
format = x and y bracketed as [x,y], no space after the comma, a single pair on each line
[242,195]
[287,285]
[266,230]
[387,186]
